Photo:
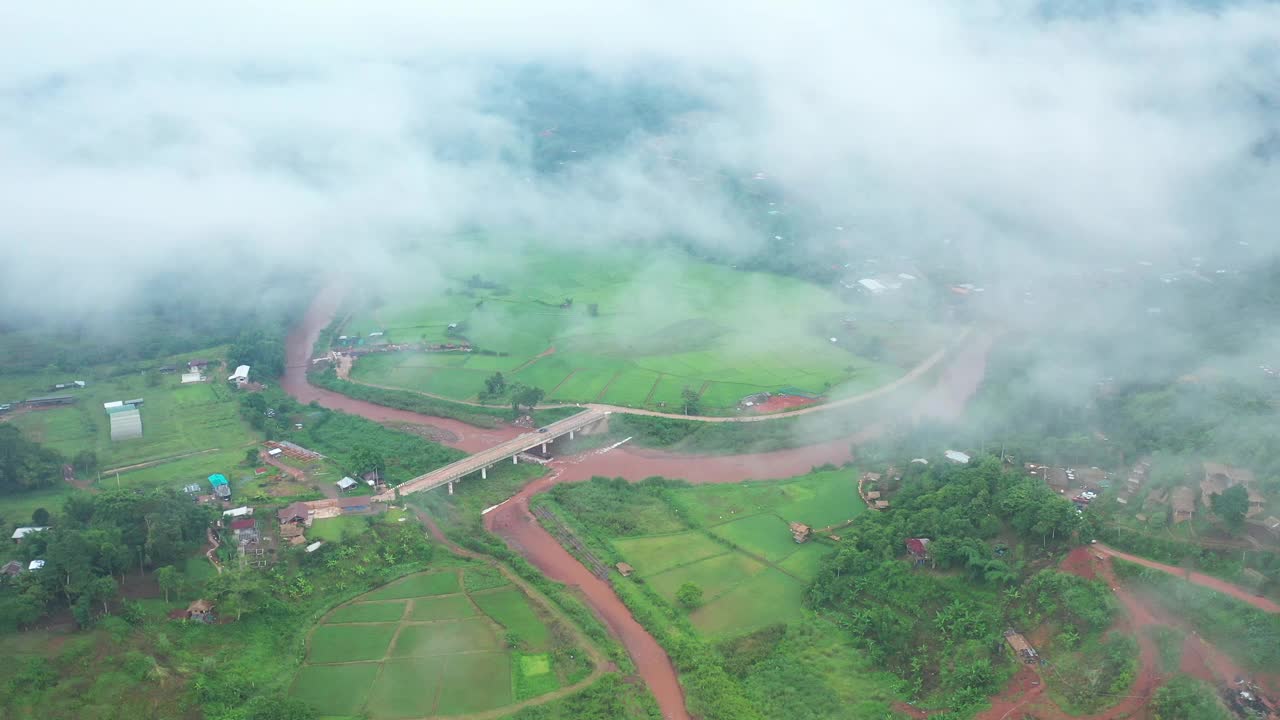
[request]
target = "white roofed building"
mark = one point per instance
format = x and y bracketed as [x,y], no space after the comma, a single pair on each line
[240,376]
[22,532]
[956,456]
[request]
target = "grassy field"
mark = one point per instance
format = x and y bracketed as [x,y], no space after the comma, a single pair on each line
[176,419]
[642,325]
[422,647]
[734,544]
[742,555]
[331,529]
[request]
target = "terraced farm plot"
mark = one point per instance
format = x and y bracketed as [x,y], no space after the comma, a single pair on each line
[447,607]
[429,651]
[818,499]
[349,643]
[441,583]
[473,683]
[763,599]
[715,575]
[584,383]
[512,611]
[339,689]
[630,387]
[446,638]
[655,553]
[765,534]
[623,321]
[367,612]
[407,687]
[805,561]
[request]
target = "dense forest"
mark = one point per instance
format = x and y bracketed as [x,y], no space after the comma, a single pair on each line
[95,539]
[941,629]
[26,465]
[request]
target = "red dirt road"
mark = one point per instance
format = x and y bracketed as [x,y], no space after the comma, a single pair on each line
[1208,581]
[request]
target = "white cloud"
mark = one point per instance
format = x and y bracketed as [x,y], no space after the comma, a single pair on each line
[315,131]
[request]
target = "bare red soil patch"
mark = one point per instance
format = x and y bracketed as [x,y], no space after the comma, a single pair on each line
[778,403]
[1079,562]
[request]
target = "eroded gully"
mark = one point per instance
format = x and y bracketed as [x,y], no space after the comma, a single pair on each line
[513,522]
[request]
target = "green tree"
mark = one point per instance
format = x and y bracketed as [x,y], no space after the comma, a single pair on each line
[85,462]
[1231,505]
[251,456]
[365,459]
[495,384]
[692,401]
[689,595]
[168,579]
[525,396]
[40,517]
[1185,698]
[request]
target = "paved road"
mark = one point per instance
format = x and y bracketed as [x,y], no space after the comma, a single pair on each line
[1208,581]
[925,366]
[493,455]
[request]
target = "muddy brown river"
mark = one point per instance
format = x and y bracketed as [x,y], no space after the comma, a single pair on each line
[516,526]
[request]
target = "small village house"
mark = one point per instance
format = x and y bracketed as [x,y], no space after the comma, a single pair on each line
[1021,647]
[11,568]
[347,484]
[882,504]
[1183,501]
[22,532]
[240,376]
[1218,477]
[625,569]
[200,611]
[800,532]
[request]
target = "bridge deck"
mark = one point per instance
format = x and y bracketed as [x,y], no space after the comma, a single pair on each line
[497,453]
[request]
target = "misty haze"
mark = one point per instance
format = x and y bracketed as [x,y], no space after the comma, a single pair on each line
[581,361]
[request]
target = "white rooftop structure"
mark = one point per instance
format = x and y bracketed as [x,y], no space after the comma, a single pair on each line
[241,375]
[920,461]
[346,483]
[191,377]
[112,404]
[875,286]
[243,511]
[314,546]
[274,452]
[35,565]
[24,531]
[956,456]
[126,424]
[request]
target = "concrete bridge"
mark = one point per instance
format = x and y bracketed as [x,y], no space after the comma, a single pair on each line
[485,459]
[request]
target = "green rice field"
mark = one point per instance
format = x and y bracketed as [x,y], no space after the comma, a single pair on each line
[422,647]
[741,552]
[641,327]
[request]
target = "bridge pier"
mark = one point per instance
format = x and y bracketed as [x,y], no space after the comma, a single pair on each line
[484,473]
[544,448]
[515,460]
[570,434]
[450,487]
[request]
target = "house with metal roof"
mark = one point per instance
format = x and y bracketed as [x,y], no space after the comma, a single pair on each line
[126,422]
[22,532]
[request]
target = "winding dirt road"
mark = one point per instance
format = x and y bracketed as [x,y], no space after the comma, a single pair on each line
[514,523]
[1208,581]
